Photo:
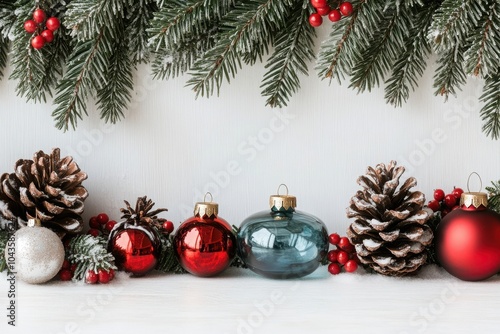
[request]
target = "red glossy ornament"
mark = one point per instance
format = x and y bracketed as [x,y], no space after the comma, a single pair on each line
[205,244]
[468,239]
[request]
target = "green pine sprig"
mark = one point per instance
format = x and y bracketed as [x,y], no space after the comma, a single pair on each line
[494,196]
[89,253]
[168,262]
[4,46]
[4,237]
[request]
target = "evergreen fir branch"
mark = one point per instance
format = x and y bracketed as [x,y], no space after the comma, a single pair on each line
[248,23]
[168,261]
[494,196]
[450,73]
[139,17]
[89,253]
[4,237]
[483,55]
[4,46]
[490,113]
[7,18]
[335,56]
[410,65]
[114,96]
[389,31]
[294,45]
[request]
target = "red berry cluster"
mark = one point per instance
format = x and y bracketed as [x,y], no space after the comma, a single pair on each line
[100,224]
[323,8]
[102,276]
[43,33]
[344,256]
[445,203]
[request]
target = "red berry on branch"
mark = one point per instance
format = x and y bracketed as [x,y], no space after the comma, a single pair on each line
[323,10]
[457,192]
[434,205]
[91,277]
[315,20]
[334,238]
[346,8]
[342,257]
[168,226]
[319,3]
[30,26]
[345,244]
[444,212]
[439,195]
[334,268]
[104,276]
[53,23]
[450,201]
[332,255]
[66,265]
[94,223]
[111,274]
[109,225]
[94,232]
[65,275]
[334,15]
[102,218]
[47,35]
[73,267]
[351,266]
[39,16]
[37,42]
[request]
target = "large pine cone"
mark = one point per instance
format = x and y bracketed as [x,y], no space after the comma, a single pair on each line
[47,188]
[389,232]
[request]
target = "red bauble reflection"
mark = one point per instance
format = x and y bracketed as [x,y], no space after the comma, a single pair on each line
[468,243]
[135,250]
[205,246]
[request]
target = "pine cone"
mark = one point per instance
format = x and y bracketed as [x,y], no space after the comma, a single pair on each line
[47,188]
[389,232]
[141,214]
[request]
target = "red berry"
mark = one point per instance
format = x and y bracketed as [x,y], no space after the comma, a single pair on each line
[332,255]
[354,257]
[91,277]
[37,42]
[168,226]
[342,257]
[334,238]
[345,244]
[94,232]
[102,218]
[66,264]
[30,26]
[346,8]
[111,274]
[434,205]
[444,212]
[319,3]
[73,267]
[439,195]
[315,20]
[104,276]
[457,192]
[351,266]
[47,35]
[39,16]
[334,268]
[334,15]
[450,201]
[65,275]
[109,225]
[94,223]
[323,10]
[53,23]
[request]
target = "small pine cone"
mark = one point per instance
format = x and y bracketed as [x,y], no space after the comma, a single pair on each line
[47,188]
[389,231]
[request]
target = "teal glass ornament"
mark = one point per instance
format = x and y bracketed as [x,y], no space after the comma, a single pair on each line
[282,242]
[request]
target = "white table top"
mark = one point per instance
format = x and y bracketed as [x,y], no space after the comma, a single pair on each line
[239,301]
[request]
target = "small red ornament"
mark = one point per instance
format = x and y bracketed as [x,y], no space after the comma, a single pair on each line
[315,20]
[323,10]
[37,42]
[351,266]
[334,268]
[334,15]
[168,226]
[104,276]
[468,239]
[450,201]
[204,243]
[332,255]
[94,223]
[319,3]
[439,195]
[39,16]
[53,23]
[109,225]
[345,8]
[434,205]
[47,35]
[334,238]
[457,192]
[102,218]
[91,277]
[30,26]
[342,257]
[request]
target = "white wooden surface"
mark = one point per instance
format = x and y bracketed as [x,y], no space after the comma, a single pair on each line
[242,302]
[174,148]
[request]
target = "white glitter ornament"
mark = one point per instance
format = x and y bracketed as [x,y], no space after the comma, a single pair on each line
[39,253]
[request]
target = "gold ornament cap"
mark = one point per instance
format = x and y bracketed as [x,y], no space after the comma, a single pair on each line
[205,208]
[474,199]
[34,222]
[282,202]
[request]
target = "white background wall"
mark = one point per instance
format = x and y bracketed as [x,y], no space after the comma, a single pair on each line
[173,148]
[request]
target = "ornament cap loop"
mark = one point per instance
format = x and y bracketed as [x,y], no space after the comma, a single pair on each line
[474,199]
[480,182]
[282,202]
[205,208]
[34,222]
